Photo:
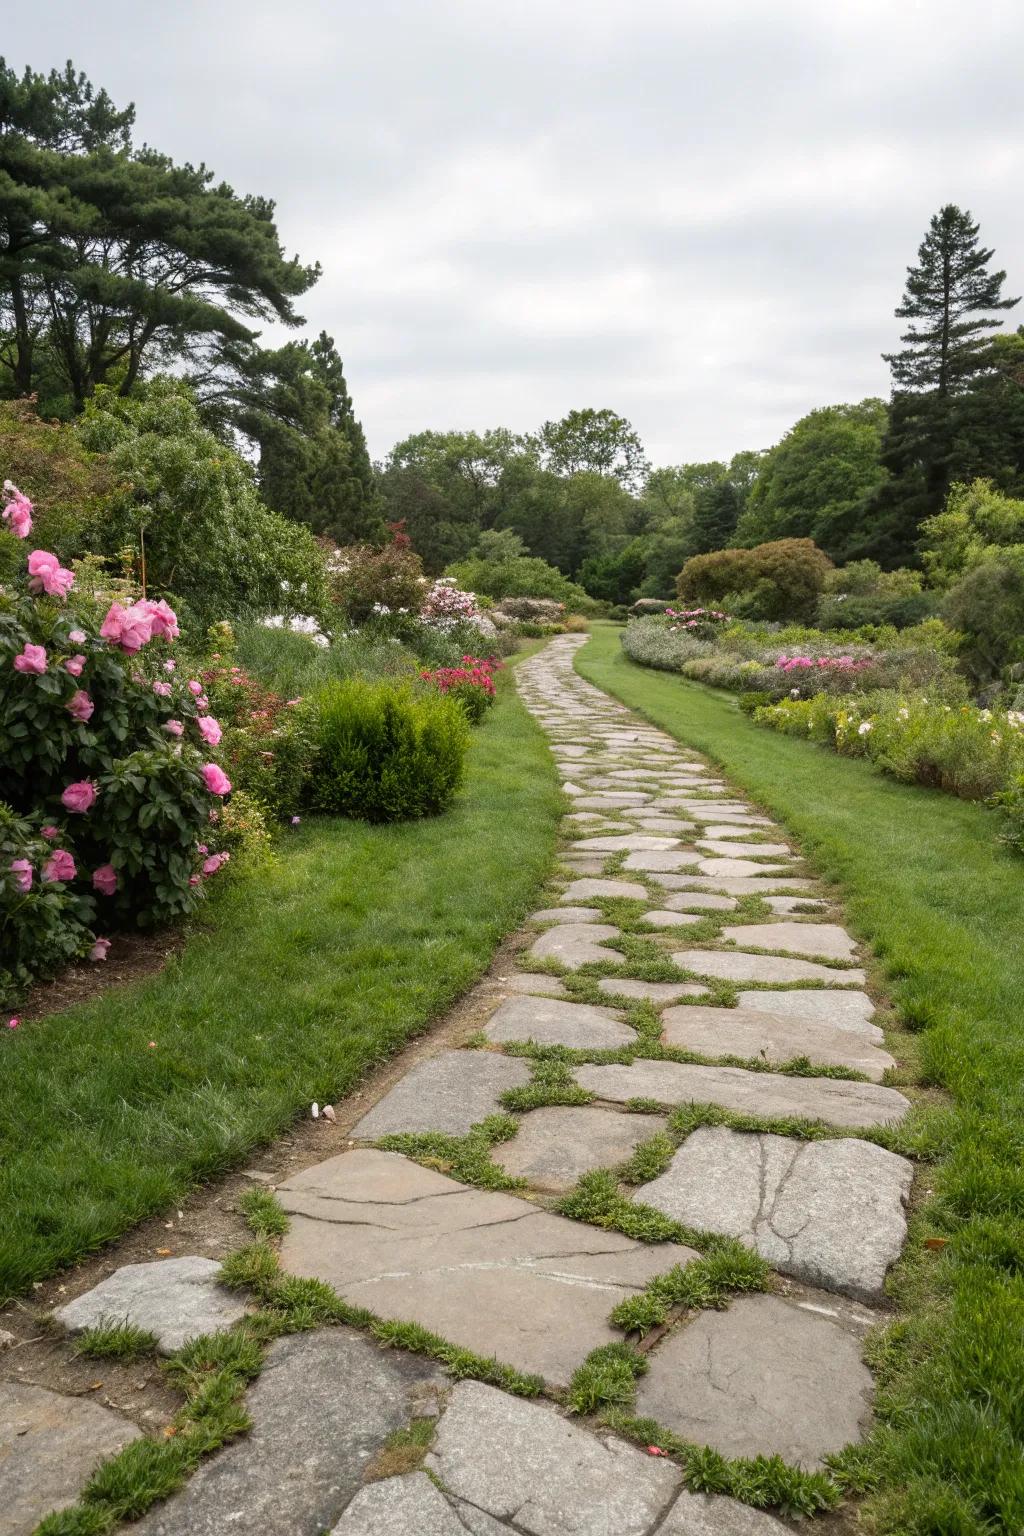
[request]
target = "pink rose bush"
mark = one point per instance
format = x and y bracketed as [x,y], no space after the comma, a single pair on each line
[109,777]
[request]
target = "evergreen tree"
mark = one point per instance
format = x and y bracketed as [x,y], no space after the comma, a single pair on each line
[715,515]
[950,295]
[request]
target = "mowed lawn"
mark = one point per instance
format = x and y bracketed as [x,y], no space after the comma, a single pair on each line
[926,883]
[303,979]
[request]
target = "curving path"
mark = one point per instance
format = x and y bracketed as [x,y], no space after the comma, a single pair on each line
[705,1004]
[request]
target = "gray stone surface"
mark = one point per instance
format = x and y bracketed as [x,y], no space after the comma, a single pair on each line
[669,825]
[525,1463]
[549,1021]
[488,1271]
[323,1406]
[726,831]
[699,901]
[534,984]
[772,1038]
[652,860]
[656,992]
[449,1093]
[825,939]
[583,863]
[603,800]
[556,1145]
[49,1447]
[734,850]
[749,1093]
[575,944]
[736,965]
[786,904]
[830,1213]
[825,1005]
[735,868]
[661,917]
[765,1377]
[625,842]
[733,886]
[566,915]
[177,1299]
[705,1514]
[586,890]
[400,1506]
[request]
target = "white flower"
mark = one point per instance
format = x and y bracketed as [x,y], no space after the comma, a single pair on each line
[864,727]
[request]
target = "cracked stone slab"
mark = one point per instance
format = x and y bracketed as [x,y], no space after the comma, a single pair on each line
[772,1038]
[736,965]
[566,915]
[548,1021]
[586,890]
[705,1514]
[830,1213]
[653,860]
[323,1406]
[830,1099]
[656,992]
[400,1506]
[555,1146]
[449,1092]
[575,944]
[824,939]
[766,1377]
[817,1005]
[523,1462]
[49,1447]
[491,1272]
[177,1299]
[534,984]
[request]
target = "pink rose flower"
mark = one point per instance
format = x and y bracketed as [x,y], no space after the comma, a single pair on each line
[32,659]
[18,511]
[162,689]
[74,665]
[194,687]
[202,848]
[46,574]
[173,727]
[80,706]
[99,949]
[209,729]
[213,863]
[128,628]
[164,620]
[104,879]
[79,797]
[77,637]
[50,832]
[202,702]
[59,866]
[193,880]
[170,664]
[22,871]
[216,780]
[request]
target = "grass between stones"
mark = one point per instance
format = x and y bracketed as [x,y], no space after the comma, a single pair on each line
[925,883]
[299,982]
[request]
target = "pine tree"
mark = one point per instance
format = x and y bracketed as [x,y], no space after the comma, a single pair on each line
[951,295]
[715,515]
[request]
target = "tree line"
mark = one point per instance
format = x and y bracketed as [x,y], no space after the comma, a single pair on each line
[116,264]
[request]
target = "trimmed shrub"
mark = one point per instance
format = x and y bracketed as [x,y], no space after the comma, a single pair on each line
[385,752]
[781,580]
[839,611]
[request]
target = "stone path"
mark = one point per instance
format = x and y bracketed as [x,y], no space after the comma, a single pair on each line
[681,925]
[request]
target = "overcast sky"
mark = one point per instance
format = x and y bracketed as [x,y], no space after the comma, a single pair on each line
[698,214]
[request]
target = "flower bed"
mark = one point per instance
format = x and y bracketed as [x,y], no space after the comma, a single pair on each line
[472,684]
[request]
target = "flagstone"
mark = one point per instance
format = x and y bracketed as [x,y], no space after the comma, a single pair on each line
[653,860]
[548,1021]
[534,984]
[735,868]
[485,1270]
[555,1146]
[832,1100]
[656,992]
[575,944]
[176,1299]
[664,918]
[50,1445]
[566,915]
[736,965]
[699,901]
[764,1377]
[842,1009]
[583,890]
[449,1093]
[772,1038]
[826,939]
[729,850]
[733,886]
[625,842]
[830,1213]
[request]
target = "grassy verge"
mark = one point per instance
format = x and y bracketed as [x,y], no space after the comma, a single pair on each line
[943,906]
[306,976]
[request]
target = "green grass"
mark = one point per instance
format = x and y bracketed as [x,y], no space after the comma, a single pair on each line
[113,1340]
[306,977]
[924,882]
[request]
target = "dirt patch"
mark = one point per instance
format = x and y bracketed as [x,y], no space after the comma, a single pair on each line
[132,957]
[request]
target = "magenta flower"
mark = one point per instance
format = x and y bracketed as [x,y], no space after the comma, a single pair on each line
[216,780]
[193,880]
[79,797]
[50,832]
[202,848]
[128,628]
[202,702]
[104,879]
[18,511]
[80,706]
[164,620]
[31,659]
[194,687]
[163,689]
[59,866]
[99,949]
[46,574]
[77,637]
[296,820]
[13,1021]
[22,872]
[74,665]
[209,729]
[173,727]
[213,863]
